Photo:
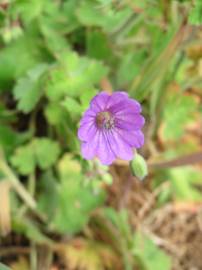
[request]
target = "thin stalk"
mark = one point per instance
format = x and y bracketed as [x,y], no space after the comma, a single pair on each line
[15,182]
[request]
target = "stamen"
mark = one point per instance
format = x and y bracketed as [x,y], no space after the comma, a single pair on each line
[105,120]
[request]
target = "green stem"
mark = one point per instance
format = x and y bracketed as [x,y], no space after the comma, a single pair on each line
[20,189]
[32,184]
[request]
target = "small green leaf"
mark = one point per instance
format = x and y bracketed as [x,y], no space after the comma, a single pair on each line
[182,184]
[24,160]
[86,97]
[46,152]
[68,167]
[72,106]
[48,185]
[195,16]
[97,45]
[28,10]
[130,66]
[72,76]
[27,49]
[75,204]
[8,138]
[174,123]
[139,167]
[41,152]
[4,267]
[148,255]
[31,230]
[153,72]
[28,90]
[90,14]
[54,113]
[75,200]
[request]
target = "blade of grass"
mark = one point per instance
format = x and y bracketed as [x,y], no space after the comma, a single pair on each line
[156,67]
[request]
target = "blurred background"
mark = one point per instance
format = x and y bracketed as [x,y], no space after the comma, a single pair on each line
[58,211]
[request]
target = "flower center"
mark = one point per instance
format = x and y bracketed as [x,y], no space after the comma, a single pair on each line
[105,120]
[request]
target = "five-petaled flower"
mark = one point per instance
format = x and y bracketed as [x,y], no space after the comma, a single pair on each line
[111,128]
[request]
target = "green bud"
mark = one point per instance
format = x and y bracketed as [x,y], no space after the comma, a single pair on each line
[139,167]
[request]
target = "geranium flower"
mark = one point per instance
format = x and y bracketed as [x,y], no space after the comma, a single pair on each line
[110,128]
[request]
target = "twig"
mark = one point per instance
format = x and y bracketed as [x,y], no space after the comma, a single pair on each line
[194,158]
[147,205]
[181,161]
[106,85]
[125,195]
[7,251]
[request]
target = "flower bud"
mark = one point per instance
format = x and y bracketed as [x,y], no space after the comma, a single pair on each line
[139,167]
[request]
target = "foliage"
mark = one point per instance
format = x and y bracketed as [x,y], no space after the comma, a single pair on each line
[3,267]
[148,254]
[196,13]
[54,57]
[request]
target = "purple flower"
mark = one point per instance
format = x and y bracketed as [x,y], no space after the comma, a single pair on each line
[110,128]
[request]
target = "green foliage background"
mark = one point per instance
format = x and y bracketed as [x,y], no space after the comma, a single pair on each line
[54,57]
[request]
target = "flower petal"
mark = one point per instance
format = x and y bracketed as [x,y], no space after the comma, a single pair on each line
[116,98]
[121,148]
[125,106]
[88,116]
[133,138]
[104,151]
[129,121]
[88,149]
[99,102]
[87,131]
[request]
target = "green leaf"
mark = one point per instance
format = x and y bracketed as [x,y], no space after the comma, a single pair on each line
[28,90]
[4,267]
[72,106]
[73,76]
[28,10]
[8,138]
[31,230]
[86,97]
[24,160]
[27,48]
[75,200]
[48,185]
[91,14]
[130,65]
[182,184]
[97,45]
[55,22]
[54,113]
[184,108]
[46,152]
[68,167]
[148,255]
[152,71]
[195,16]
[41,152]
